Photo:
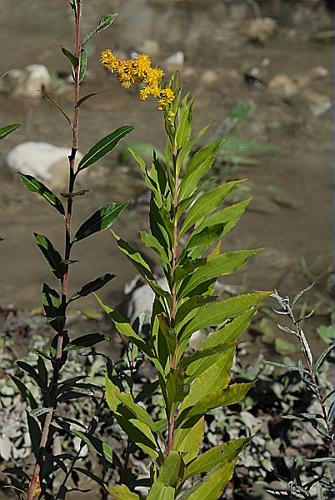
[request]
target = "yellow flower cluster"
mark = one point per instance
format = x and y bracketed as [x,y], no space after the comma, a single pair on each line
[139,70]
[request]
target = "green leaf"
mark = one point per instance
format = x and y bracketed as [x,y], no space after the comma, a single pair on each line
[87,340]
[114,397]
[214,314]
[151,242]
[58,106]
[52,304]
[223,265]
[82,65]
[92,286]
[32,373]
[199,165]
[216,377]
[34,433]
[322,357]
[188,440]
[104,146]
[231,395]
[169,473]
[51,255]
[187,362]
[213,486]
[25,392]
[100,220]
[213,228]
[106,21]
[71,57]
[4,131]
[140,264]
[160,491]
[36,186]
[231,331]
[205,204]
[121,492]
[219,455]
[100,447]
[88,96]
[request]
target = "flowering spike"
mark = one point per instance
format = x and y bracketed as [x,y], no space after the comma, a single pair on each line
[139,71]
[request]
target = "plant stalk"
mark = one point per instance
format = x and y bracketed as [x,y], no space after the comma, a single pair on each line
[173,312]
[35,479]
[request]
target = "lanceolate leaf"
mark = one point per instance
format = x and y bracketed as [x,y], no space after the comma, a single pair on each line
[233,394]
[100,220]
[53,258]
[92,286]
[140,264]
[121,492]
[51,302]
[82,64]
[215,378]
[223,265]
[115,397]
[8,129]
[104,146]
[199,165]
[160,491]
[37,187]
[188,440]
[218,455]
[205,204]
[89,340]
[71,57]
[100,447]
[170,470]
[214,314]
[212,487]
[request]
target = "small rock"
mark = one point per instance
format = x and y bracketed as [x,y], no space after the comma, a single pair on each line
[283,86]
[259,30]
[318,72]
[209,77]
[175,62]
[46,162]
[27,83]
[150,47]
[318,103]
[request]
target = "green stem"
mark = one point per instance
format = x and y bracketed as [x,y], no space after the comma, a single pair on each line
[173,312]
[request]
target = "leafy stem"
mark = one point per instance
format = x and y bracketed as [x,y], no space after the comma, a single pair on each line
[34,486]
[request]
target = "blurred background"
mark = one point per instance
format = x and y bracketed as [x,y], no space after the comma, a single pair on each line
[276,54]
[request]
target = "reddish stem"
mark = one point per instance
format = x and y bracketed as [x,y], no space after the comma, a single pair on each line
[34,487]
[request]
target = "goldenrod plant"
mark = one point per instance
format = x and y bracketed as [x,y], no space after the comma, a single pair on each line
[47,372]
[188,219]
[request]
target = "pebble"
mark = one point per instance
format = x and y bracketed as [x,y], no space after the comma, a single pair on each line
[175,62]
[259,30]
[150,47]
[209,77]
[29,82]
[283,86]
[46,162]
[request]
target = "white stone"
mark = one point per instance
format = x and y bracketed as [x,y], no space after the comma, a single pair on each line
[259,30]
[46,162]
[150,47]
[283,85]
[209,77]
[30,82]
[175,62]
